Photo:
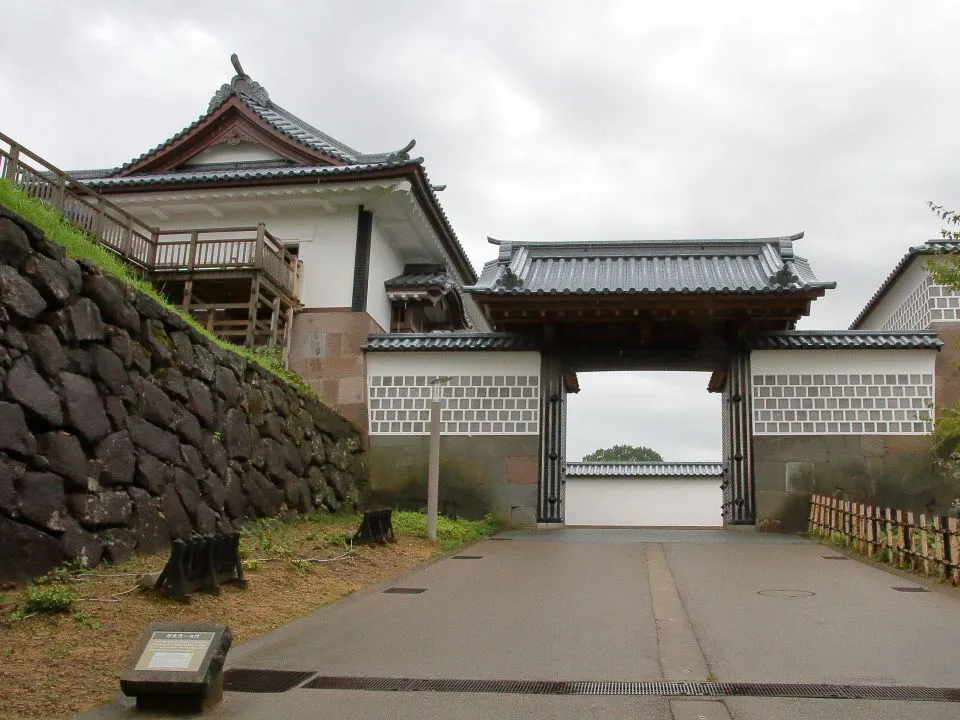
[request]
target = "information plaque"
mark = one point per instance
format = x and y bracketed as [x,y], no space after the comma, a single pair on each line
[178,667]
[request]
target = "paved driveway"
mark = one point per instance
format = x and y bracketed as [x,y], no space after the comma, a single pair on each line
[617,605]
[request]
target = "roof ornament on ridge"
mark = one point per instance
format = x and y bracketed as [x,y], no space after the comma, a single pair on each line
[241,84]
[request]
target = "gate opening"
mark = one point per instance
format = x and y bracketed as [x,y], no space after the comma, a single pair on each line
[670,413]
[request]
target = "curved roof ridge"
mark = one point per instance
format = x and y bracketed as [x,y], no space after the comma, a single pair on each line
[652,241]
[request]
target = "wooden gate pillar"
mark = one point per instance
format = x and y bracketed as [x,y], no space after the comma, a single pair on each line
[738,490]
[553,429]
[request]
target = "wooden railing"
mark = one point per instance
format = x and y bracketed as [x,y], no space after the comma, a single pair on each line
[239,248]
[113,226]
[930,544]
[146,247]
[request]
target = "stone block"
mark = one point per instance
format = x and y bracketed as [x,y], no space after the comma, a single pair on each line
[85,413]
[26,553]
[109,369]
[178,522]
[201,403]
[152,474]
[49,277]
[106,508]
[85,321]
[80,545]
[189,491]
[14,244]
[18,297]
[46,350]
[237,435]
[27,387]
[15,436]
[117,458]
[154,405]
[799,476]
[149,527]
[154,440]
[43,500]
[111,302]
[119,545]
[66,458]
[873,445]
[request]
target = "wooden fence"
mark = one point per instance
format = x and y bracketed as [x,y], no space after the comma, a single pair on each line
[929,544]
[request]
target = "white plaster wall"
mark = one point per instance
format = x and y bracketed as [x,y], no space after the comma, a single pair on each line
[488,393]
[385,263]
[453,363]
[842,392]
[912,278]
[241,152]
[631,501]
[785,362]
[327,242]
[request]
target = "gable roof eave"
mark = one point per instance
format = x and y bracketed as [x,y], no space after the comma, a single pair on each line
[930,247]
[188,142]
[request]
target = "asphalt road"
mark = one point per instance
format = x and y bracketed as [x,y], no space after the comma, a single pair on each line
[623,605]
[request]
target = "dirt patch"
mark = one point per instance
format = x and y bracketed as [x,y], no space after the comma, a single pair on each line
[52,666]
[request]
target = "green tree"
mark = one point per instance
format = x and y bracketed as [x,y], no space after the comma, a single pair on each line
[624,453]
[945,268]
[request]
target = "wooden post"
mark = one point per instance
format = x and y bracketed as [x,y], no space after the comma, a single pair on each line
[924,545]
[13,164]
[939,547]
[888,523]
[152,253]
[953,545]
[187,295]
[192,251]
[258,249]
[871,546]
[254,306]
[287,336]
[274,320]
[908,539]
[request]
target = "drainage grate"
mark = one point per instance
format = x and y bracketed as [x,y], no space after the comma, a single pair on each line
[467,557]
[911,589]
[499,538]
[405,591]
[834,557]
[262,681]
[661,689]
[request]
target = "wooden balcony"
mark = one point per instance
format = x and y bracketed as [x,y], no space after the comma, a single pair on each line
[241,282]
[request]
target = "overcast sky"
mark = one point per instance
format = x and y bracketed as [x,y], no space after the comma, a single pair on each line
[555,121]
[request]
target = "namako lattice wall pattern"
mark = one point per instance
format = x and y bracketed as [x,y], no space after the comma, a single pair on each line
[828,404]
[470,405]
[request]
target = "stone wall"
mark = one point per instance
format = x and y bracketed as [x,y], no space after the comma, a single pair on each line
[477,474]
[325,351]
[122,427]
[889,470]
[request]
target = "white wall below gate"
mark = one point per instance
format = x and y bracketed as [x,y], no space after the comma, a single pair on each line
[644,501]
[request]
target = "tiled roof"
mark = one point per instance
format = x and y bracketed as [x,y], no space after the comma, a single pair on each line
[255,96]
[643,469]
[425,342]
[251,173]
[847,340]
[763,265]
[930,247]
[414,279]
